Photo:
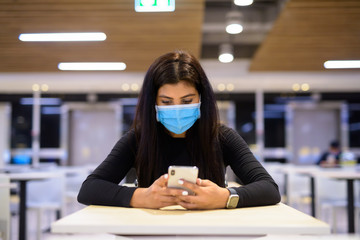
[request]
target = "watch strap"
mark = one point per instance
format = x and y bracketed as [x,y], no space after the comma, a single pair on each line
[232,191]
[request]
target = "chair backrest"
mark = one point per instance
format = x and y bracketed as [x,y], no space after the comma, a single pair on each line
[4,207]
[47,193]
[75,178]
[330,189]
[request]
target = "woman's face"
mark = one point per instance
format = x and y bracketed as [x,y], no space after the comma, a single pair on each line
[176,94]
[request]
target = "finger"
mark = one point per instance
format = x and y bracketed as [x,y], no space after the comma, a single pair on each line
[187,198]
[205,183]
[173,191]
[188,205]
[189,185]
[162,181]
[168,199]
[198,181]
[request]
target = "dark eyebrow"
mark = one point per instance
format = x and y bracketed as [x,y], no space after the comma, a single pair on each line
[189,95]
[163,96]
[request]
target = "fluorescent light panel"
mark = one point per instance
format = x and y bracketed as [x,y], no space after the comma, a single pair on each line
[62,37]
[342,64]
[92,66]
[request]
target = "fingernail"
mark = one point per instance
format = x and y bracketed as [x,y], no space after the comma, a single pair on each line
[181,182]
[166,176]
[185,193]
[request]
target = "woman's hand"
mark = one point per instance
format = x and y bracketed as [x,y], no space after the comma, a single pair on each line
[208,195]
[158,195]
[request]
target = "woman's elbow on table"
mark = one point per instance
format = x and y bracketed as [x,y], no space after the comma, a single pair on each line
[274,195]
[82,196]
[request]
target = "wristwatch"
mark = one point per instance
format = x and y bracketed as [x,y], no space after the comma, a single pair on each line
[233,199]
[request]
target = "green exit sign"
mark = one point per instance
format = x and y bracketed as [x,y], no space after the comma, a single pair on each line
[154,5]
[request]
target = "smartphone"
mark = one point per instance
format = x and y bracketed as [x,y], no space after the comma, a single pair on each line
[188,173]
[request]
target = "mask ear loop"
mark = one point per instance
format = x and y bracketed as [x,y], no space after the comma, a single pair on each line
[157,114]
[199,106]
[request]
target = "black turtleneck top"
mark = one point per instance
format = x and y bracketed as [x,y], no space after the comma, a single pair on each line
[102,186]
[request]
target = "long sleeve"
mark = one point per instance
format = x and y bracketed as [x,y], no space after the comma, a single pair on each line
[102,186]
[258,187]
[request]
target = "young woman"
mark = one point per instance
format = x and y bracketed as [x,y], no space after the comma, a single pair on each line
[176,123]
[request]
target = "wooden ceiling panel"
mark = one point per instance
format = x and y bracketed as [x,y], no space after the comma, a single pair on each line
[134,38]
[309,32]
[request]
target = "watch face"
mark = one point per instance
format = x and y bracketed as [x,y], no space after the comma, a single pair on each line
[233,201]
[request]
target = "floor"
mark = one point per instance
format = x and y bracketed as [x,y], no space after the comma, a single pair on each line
[74,206]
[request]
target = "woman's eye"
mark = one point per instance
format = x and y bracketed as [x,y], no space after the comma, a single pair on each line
[166,102]
[187,101]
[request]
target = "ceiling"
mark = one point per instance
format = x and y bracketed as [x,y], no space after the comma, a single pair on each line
[283,42]
[309,32]
[134,38]
[257,20]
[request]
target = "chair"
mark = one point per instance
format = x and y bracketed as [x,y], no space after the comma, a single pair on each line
[298,191]
[274,169]
[73,181]
[334,207]
[4,207]
[46,195]
[331,198]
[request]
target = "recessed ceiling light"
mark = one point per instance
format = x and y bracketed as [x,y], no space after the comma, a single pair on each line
[305,87]
[342,64]
[230,87]
[125,87]
[62,37]
[221,87]
[296,87]
[92,66]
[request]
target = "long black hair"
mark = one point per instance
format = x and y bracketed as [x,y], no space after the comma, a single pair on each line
[202,137]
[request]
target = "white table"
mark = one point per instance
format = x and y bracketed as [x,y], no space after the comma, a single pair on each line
[343,173]
[254,221]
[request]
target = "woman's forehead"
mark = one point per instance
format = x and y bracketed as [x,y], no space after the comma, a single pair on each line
[177,90]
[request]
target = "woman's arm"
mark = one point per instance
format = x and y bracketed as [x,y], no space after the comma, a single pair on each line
[102,186]
[258,188]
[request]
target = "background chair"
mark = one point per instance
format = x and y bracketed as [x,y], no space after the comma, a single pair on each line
[4,207]
[74,177]
[47,196]
[331,200]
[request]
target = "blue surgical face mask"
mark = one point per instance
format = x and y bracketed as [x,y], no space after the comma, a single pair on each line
[178,118]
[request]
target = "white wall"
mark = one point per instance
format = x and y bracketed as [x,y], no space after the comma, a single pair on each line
[4,133]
